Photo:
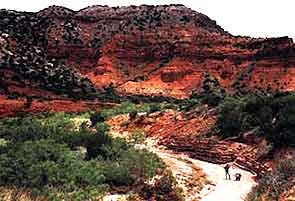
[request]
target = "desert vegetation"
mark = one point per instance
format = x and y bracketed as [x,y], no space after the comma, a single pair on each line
[165,72]
[272,116]
[51,156]
[274,184]
[130,108]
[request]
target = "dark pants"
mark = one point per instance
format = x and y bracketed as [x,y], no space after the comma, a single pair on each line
[238,177]
[227,175]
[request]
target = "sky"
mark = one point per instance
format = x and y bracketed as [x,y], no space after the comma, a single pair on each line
[255,18]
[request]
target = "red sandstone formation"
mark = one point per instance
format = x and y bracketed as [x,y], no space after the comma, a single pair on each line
[49,58]
[140,50]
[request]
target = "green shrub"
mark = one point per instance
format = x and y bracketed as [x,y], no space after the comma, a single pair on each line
[211,99]
[272,185]
[3,143]
[190,103]
[117,175]
[164,188]
[137,136]
[284,125]
[141,163]
[114,149]
[230,114]
[126,107]
[96,117]
[154,107]
[42,154]
[144,107]
[273,115]
[125,123]
[211,91]
[77,194]
[43,162]
[132,115]
[132,109]
[102,128]
[58,128]
[35,128]
[166,183]
[94,141]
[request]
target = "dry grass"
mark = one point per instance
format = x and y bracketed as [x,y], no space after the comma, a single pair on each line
[18,194]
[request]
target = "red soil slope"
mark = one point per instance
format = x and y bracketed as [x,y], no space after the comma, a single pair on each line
[144,50]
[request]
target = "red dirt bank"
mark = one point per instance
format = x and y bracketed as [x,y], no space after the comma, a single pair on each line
[179,131]
[14,107]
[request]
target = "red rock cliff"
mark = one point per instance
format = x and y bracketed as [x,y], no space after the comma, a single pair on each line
[144,50]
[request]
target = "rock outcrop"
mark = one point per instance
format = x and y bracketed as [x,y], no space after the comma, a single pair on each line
[186,133]
[142,50]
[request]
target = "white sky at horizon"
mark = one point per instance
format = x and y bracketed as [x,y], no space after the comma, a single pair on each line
[255,18]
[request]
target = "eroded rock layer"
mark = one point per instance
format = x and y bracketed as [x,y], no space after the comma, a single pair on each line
[186,133]
[140,50]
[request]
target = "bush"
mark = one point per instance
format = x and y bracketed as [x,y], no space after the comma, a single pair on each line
[40,154]
[154,107]
[117,175]
[132,109]
[96,117]
[211,91]
[114,149]
[272,185]
[137,136]
[35,128]
[165,184]
[123,108]
[95,141]
[190,103]
[211,99]
[141,163]
[274,116]
[46,163]
[284,124]
[57,127]
[164,189]
[102,128]
[132,115]
[230,114]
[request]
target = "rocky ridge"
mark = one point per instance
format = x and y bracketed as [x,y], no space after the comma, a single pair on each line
[139,50]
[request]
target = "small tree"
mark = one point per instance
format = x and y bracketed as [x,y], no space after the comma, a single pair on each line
[211,92]
[28,103]
[137,136]
[96,117]
[132,115]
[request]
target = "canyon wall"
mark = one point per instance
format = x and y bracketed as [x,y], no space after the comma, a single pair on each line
[138,50]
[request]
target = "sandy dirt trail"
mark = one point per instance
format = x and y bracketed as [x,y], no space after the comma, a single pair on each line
[218,188]
[188,176]
[184,168]
[222,189]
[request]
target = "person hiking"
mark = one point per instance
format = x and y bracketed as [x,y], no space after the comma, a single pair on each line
[226,168]
[238,176]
